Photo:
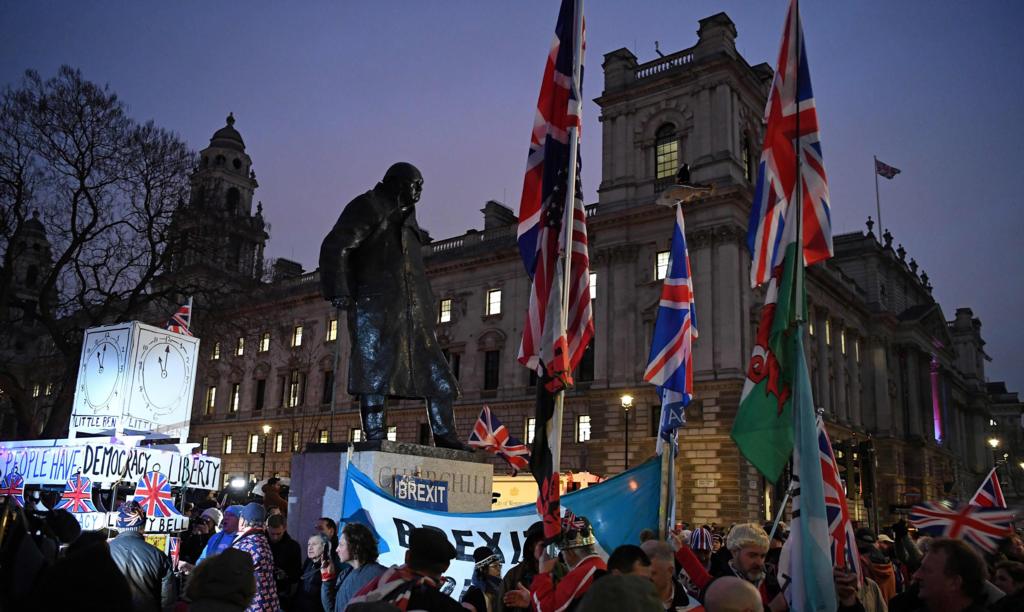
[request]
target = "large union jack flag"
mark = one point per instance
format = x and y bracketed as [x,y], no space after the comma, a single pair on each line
[543,212]
[983,527]
[13,485]
[181,319]
[989,494]
[491,435]
[790,140]
[77,495]
[153,493]
[844,539]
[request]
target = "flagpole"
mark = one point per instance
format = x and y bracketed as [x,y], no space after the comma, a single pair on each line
[878,200]
[798,188]
[569,217]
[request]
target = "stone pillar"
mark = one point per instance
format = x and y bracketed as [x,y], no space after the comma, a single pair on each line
[824,361]
[910,360]
[727,360]
[841,409]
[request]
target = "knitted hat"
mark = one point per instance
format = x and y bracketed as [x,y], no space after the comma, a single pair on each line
[131,517]
[700,539]
[253,513]
[484,556]
[214,515]
[234,510]
[223,579]
[431,544]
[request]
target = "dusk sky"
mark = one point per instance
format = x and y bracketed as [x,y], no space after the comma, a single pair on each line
[328,95]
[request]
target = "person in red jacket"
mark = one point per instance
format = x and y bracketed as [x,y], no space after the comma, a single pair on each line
[577,545]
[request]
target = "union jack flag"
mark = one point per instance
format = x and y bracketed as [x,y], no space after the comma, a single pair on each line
[885,170]
[153,493]
[13,485]
[572,522]
[983,527]
[844,539]
[77,495]
[790,141]
[173,550]
[670,365]
[543,212]
[989,494]
[491,435]
[181,319]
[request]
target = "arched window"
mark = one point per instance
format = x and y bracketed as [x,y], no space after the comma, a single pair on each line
[233,197]
[31,276]
[666,152]
[219,160]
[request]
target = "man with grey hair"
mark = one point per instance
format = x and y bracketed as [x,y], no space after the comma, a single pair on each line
[663,574]
[748,544]
[732,594]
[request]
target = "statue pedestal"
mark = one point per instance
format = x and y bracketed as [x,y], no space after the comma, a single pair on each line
[318,477]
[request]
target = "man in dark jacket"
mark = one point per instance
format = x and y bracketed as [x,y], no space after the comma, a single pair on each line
[147,569]
[287,559]
[371,265]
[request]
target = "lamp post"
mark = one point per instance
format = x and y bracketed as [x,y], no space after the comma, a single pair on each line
[627,403]
[266,432]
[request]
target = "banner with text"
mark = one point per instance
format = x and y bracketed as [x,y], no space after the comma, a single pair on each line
[619,508]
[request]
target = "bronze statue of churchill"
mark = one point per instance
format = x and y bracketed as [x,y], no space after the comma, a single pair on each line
[371,266]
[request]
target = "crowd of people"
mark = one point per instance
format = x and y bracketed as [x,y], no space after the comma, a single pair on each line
[241,557]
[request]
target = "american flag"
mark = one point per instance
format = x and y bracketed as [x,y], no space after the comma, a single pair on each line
[77,495]
[844,539]
[181,319]
[989,494]
[491,435]
[983,527]
[791,125]
[544,210]
[153,493]
[13,485]
[174,550]
[670,364]
[547,348]
[885,170]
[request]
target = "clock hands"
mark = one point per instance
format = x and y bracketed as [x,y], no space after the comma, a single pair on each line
[163,362]
[99,357]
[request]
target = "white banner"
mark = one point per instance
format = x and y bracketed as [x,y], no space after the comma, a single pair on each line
[91,521]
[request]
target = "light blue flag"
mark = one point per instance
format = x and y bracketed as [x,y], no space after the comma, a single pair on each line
[805,565]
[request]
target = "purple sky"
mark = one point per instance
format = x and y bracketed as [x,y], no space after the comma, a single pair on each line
[327,95]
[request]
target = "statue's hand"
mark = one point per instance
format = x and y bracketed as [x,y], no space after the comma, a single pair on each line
[343,303]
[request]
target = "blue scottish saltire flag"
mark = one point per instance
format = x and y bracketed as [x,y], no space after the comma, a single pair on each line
[491,435]
[844,540]
[77,495]
[153,493]
[989,494]
[670,365]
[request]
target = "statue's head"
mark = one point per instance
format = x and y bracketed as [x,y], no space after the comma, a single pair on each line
[404,180]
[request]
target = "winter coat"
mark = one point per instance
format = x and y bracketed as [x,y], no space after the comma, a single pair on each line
[373,257]
[336,595]
[288,566]
[147,569]
[254,541]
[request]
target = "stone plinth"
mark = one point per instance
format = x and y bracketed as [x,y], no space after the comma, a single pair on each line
[318,476]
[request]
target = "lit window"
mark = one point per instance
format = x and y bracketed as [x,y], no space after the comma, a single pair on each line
[215,354]
[531,424]
[661,265]
[235,392]
[278,442]
[297,336]
[666,152]
[593,285]
[583,428]
[856,350]
[332,330]
[494,302]
[393,433]
[810,327]
[254,443]
[746,159]
[828,332]
[49,389]
[842,340]
[211,399]
[445,311]
[355,435]
[295,441]
[294,389]
[324,437]
[204,445]
[240,347]
[992,423]
[228,440]
[36,389]
[265,342]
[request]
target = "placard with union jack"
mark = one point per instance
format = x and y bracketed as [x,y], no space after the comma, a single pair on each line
[77,495]
[153,493]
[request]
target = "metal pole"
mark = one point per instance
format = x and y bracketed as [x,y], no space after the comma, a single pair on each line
[782,508]
[878,200]
[625,442]
[264,474]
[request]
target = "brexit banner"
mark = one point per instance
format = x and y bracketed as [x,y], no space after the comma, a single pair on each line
[619,508]
[422,493]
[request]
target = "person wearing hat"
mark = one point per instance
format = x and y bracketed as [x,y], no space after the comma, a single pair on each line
[524,571]
[146,568]
[619,593]
[415,585]
[576,543]
[482,593]
[874,562]
[223,582]
[252,538]
[222,540]
[193,543]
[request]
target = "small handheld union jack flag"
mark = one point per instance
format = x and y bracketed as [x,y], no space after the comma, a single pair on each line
[77,495]
[173,550]
[153,493]
[989,494]
[181,319]
[983,527]
[491,435]
[13,485]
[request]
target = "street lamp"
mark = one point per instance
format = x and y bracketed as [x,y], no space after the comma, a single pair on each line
[627,403]
[266,432]
[994,443]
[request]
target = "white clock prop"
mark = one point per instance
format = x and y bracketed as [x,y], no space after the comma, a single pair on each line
[135,379]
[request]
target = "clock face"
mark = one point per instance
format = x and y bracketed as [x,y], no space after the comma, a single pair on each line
[102,369]
[165,370]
